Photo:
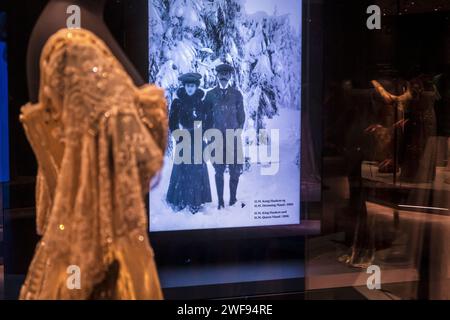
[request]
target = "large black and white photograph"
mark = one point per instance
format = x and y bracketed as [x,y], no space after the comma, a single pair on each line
[231,70]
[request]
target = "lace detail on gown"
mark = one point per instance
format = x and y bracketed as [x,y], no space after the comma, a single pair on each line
[98,140]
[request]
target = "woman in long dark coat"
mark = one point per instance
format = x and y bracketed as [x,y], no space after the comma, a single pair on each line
[189,182]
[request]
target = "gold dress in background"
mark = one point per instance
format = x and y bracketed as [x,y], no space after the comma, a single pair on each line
[98,140]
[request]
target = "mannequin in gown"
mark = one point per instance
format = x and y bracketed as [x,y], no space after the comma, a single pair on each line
[98,140]
[416,106]
[384,131]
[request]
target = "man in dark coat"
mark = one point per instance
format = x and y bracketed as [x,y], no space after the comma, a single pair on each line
[225,110]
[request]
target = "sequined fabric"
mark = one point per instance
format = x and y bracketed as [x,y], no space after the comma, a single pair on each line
[98,140]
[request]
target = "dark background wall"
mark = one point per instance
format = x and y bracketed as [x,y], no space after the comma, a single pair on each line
[126,19]
[413,40]
[410,36]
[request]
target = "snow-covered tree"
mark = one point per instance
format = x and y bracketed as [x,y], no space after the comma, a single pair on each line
[177,34]
[197,35]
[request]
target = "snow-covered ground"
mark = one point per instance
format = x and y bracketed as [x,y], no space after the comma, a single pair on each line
[285,185]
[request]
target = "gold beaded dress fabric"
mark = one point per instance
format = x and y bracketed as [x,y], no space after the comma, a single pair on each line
[98,140]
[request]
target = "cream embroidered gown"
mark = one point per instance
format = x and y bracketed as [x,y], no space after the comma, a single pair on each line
[98,140]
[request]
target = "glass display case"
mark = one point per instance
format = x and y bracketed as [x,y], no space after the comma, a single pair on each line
[385,191]
[358,92]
